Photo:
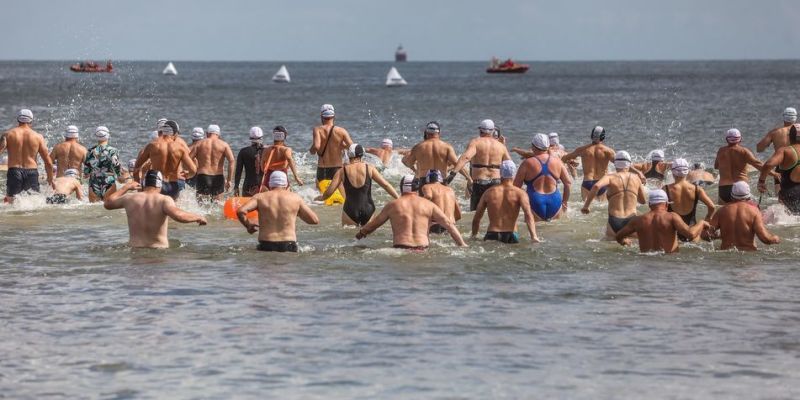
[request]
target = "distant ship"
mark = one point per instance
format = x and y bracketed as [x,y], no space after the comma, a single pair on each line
[507,67]
[91,66]
[400,55]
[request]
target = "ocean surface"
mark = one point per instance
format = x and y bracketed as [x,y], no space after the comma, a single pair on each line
[575,317]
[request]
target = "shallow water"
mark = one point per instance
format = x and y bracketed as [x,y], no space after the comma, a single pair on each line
[573,317]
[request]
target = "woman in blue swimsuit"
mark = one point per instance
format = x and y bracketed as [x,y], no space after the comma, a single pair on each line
[544,170]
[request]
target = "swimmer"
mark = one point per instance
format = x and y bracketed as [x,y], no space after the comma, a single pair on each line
[541,174]
[148,210]
[732,161]
[247,161]
[625,190]
[278,209]
[384,153]
[23,145]
[167,156]
[68,154]
[740,221]
[102,166]
[595,158]
[432,153]
[197,135]
[484,154]
[329,143]
[278,157]
[659,229]
[211,154]
[66,185]
[127,174]
[443,196]
[684,197]
[503,203]
[700,177]
[778,137]
[410,216]
[655,169]
[786,159]
[558,149]
[357,177]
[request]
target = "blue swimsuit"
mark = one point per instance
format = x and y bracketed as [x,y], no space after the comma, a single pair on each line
[544,205]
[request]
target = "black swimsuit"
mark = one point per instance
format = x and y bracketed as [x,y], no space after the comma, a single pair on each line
[617,223]
[358,204]
[247,161]
[690,218]
[790,190]
[653,173]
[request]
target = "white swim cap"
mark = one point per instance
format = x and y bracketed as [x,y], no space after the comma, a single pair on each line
[355,151]
[508,169]
[256,133]
[432,127]
[680,167]
[740,190]
[622,160]
[387,143]
[278,179]
[71,132]
[160,122]
[71,172]
[102,133]
[486,126]
[553,136]
[790,115]
[327,111]
[25,116]
[540,141]
[657,196]
[198,133]
[213,129]
[657,155]
[279,134]
[407,183]
[733,136]
[153,135]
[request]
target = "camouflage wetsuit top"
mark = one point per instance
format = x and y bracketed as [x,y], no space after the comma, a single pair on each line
[103,167]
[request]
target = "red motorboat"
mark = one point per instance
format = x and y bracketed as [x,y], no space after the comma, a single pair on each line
[91,66]
[507,67]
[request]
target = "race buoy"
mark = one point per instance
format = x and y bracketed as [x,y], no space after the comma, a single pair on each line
[170,69]
[232,206]
[393,78]
[282,75]
[336,197]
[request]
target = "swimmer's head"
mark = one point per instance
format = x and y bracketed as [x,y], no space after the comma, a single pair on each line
[598,134]
[213,129]
[698,165]
[169,128]
[355,151]
[25,116]
[622,160]
[740,191]
[486,127]
[153,178]
[198,133]
[327,111]
[657,196]
[102,134]
[733,136]
[387,143]
[72,173]
[790,115]
[508,169]
[657,155]
[71,132]
[433,176]
[680,167]
[408,184]
[540,142]
[160,122]
[153,135]
[131,164]
[553,136]
[793,133]
[432,128]
[278,179]
[279,133]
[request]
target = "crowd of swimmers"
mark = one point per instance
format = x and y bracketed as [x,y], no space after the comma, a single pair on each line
[425,203]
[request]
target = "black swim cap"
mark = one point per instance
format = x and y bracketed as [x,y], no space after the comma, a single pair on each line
[174,126]
[153,178]
[432,127]
[598,133]
[280,128]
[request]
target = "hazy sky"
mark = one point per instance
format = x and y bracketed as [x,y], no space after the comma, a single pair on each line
[371,29]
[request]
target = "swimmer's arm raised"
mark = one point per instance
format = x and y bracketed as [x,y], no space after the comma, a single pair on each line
[377,177]
[530,222]
[441,219]
[116,200]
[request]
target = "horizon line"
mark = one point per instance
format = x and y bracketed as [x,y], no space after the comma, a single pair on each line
[398,62]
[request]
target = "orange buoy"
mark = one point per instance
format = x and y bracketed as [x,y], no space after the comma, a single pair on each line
[232,206]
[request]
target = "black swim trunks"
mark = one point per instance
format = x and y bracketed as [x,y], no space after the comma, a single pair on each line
[326,173]
[280,247]
[171,189]
[20,180]
[478,188]
[437,229]
[57,198]
[410,248]
[504,237]
[617,223]
[725,193]
[209,185]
